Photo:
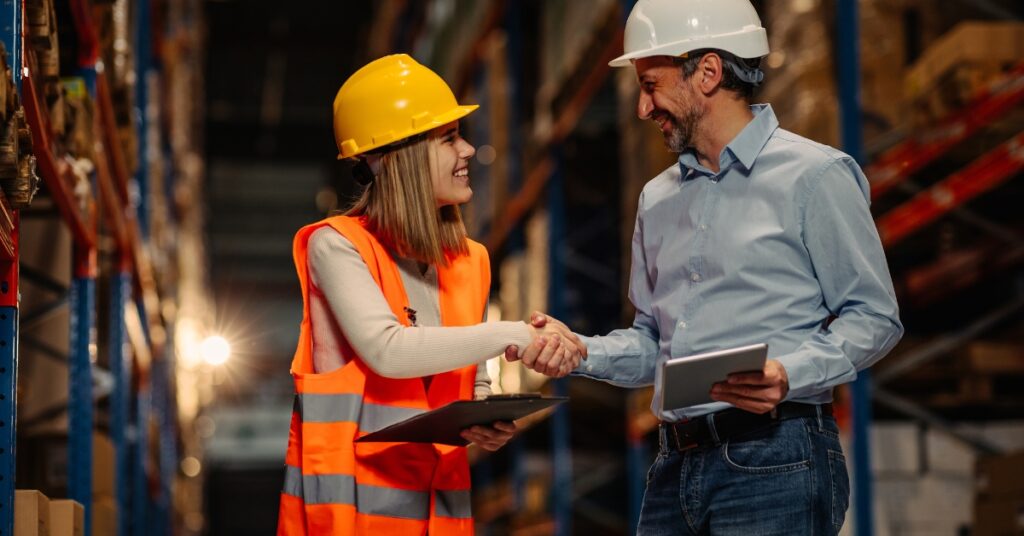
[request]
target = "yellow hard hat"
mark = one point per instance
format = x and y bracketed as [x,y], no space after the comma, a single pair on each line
[388,100]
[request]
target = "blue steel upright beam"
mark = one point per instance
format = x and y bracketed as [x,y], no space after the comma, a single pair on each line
[143,66]
[80,401]
[140,481]
[83,321]
[163,412]
[561,452]
[139,439]
[120,400]
[477,128]
[158,400]
[516,241]
[10,33]
[83,357]
[515,67]
[848,60]
[8,383]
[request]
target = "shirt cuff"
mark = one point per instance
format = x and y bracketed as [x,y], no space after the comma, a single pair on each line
[596,363]
[807,377]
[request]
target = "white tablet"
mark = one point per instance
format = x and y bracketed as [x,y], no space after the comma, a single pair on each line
[686,381]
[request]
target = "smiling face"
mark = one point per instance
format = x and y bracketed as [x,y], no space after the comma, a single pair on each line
[449,165]
[669,99]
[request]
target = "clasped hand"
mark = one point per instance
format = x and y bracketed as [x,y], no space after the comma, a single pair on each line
[555,350]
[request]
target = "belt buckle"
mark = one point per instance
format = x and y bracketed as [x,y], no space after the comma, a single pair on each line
[680,445]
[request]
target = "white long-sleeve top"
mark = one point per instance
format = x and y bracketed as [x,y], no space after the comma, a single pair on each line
[347,305]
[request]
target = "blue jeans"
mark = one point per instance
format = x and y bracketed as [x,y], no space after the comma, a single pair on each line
[789,478]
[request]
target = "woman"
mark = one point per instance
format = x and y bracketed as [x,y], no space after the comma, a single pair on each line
[394,294]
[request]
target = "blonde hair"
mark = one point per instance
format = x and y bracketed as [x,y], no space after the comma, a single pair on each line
[401,209]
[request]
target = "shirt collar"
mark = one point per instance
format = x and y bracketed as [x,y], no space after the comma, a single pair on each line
[745,147]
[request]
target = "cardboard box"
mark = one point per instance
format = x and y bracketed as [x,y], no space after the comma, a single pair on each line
[104,516]
[998,476]
[31,513]
[999,517]
[67,518]
[103,466]
[43,460]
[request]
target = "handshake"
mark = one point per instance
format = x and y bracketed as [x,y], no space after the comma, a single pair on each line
[555,350]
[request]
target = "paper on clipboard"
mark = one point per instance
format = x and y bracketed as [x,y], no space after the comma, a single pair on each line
[444,424]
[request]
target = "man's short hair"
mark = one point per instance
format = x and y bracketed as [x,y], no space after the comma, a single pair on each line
[730,81]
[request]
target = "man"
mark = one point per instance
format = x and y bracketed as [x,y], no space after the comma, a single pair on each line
[757,235]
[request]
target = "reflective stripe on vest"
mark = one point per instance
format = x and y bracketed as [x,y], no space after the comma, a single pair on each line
[321,408]
[374,500]
[456,503]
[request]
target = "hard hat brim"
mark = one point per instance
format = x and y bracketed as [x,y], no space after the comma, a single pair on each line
[438,121]
[738,43]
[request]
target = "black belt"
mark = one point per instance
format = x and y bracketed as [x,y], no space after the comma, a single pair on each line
[733,422]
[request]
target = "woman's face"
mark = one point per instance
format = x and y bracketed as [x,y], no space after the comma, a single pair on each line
[449,165]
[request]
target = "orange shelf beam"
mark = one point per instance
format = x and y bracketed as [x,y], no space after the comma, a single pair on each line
[113,205]
[108,128]
[987,172]
[8,233]
[56,173]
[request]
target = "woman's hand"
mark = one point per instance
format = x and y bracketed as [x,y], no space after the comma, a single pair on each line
[490,437]
[555,351]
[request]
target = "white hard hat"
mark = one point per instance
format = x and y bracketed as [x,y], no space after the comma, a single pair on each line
[675,27]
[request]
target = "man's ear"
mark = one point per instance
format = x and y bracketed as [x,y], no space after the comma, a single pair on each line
[710,73]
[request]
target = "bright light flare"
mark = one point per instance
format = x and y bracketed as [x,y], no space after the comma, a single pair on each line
[216,350]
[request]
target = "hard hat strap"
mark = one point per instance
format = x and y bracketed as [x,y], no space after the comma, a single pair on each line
[746,73]
[750,75]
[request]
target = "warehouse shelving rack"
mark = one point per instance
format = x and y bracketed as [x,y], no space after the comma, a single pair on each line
[133,301]
[994,117]
[895,170]
[896,166]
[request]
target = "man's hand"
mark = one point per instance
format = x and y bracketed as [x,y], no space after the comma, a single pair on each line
[756,392]
[555,351]
[490,437]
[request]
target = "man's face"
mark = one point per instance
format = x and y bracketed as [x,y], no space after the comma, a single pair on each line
[669,100]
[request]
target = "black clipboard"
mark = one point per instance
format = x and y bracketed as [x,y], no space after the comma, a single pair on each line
[443,424]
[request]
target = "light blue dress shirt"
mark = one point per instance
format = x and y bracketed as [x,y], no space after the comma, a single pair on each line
[766,250]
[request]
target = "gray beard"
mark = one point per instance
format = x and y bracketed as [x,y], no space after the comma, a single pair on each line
[684,129]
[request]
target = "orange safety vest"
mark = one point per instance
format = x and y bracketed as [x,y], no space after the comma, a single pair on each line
[335,486]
